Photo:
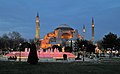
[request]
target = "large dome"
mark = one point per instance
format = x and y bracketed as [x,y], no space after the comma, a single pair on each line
[64,27]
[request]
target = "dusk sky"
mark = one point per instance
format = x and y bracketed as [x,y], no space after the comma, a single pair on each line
[19,15]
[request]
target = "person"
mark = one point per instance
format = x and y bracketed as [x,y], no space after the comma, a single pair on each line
[64,56]
[32,57]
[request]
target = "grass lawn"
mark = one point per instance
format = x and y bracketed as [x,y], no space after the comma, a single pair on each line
[60,68]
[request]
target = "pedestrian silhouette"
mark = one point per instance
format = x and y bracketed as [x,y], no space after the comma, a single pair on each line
[32,58]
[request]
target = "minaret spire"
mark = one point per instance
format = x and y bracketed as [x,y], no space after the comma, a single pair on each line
[37,37]
[92,29]
[37,14]
[84,30]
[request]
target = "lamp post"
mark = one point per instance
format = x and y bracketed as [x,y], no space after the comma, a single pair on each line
[83,52]
[71,45]
[20,52]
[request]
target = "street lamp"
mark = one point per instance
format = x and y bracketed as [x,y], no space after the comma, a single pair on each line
[20,52]
[83,52]
[71,44]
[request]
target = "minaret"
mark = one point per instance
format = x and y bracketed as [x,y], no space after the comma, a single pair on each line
[37,37]
[84,30]
[92,30]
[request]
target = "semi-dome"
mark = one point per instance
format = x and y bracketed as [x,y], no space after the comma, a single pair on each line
[64,27]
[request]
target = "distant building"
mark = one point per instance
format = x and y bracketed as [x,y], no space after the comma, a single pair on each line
[60,36]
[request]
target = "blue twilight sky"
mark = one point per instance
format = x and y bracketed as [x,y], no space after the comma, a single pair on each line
[19,15]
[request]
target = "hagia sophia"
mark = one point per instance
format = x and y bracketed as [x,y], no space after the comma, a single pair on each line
[60,35]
